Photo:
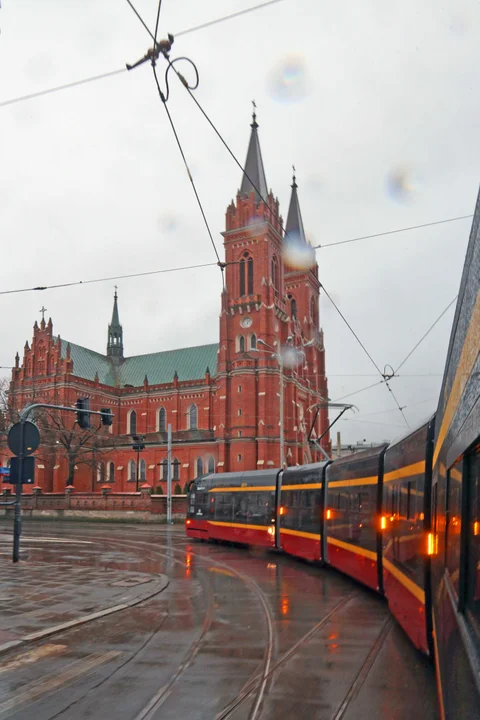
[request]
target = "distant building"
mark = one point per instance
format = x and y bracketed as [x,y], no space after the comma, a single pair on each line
[222,399]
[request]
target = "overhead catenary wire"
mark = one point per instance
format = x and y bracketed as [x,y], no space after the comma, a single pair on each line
[109,278]
[427,333]
[172,125]
[393,232]
[94,78]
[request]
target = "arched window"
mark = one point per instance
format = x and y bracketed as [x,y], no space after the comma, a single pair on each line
[275,277]
[143,470]
[242,277]
[199,467]
[211,464]
[193,417]
[253,341]
[111,472]
[250,276]
[246,275]
[101,472]
[132,471]
[313,311]
[176,469]
[293,309]
[241,344]
[132,423]
[162,420]
[164,469]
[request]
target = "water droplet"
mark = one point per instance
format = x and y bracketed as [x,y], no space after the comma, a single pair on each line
[297,253]
[288,81]
[402,185]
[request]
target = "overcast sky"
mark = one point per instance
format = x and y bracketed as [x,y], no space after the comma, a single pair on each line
[375,102]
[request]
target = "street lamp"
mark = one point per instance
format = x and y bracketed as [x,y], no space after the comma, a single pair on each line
[138,445]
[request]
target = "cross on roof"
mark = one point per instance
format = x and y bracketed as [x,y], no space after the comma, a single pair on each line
[43,310]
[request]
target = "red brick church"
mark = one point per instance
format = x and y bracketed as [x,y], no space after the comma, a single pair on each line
[222,400]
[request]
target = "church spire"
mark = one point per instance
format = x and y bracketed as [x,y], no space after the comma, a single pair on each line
[294,227]
[256,181]
[115,333]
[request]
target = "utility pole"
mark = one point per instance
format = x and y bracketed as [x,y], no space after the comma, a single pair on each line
[169,475]
[282,412]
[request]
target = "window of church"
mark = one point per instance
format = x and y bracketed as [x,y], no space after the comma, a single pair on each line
[211,464]
[275,278]
[176,469]
[239,388]
[239,458]
[143,470]
[253,341]
[132,423]
[199,467]
[111,472]
[162,420]
[240,343]
[192,417]
[164,469]
[132,471]
[250,276]
[239,411]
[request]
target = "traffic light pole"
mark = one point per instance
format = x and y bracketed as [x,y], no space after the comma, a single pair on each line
[17,518]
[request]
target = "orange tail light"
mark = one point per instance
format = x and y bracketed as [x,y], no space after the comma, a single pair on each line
[431,544]
[329,514]
[383,523]
[188,522]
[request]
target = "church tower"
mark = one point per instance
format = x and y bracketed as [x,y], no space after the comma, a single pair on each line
[269,309]
[115,334]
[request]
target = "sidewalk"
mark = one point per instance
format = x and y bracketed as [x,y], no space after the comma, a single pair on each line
[57,584]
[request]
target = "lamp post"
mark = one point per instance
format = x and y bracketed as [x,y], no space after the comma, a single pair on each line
[138,445]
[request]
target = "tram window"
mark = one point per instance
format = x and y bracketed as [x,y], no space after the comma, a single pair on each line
[473,562]
[411,500]
[454,522]
[363,501]
[295,498]
[403,501]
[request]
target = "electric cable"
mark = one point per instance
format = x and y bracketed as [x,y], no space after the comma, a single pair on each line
[158,20]
[392,232]
[67,86]
[172,125]
[108,279]
[425,335]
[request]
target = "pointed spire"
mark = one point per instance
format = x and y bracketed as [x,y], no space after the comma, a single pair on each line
[115,333]
[294,227]
[254,166]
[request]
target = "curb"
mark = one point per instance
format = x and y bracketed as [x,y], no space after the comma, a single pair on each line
[41,634]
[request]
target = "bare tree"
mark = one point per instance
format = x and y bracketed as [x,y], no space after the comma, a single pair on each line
[62,437]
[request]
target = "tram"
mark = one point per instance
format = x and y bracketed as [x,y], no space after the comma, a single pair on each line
[402,518]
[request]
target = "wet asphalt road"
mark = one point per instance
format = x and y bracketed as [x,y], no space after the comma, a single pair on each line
[236,634]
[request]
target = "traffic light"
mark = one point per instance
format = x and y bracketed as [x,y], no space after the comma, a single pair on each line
[107,416]
[83,418]
[138,444]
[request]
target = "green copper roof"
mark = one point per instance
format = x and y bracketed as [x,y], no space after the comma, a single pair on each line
[190,364]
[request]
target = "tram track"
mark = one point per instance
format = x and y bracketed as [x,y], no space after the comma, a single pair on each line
[152,706]
[255,689]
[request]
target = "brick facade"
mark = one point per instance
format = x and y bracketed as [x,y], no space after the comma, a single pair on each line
[235,399]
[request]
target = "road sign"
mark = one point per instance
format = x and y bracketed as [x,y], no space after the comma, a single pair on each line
[28,471]
[4,471]
[31,438]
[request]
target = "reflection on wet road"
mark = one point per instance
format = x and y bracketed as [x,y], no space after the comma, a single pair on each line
[236,634]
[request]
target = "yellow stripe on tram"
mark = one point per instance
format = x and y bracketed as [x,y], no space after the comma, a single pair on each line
[417,468]
[352,548]
[252,488]
[371,480]
[240,525]
[307,486]
[464,370]
[415,589]
[300,533]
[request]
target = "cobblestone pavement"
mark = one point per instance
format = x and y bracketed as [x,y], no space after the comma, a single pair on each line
[55,582]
